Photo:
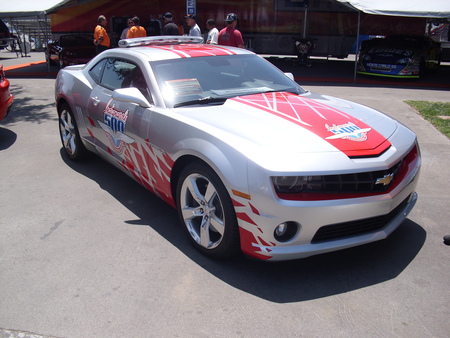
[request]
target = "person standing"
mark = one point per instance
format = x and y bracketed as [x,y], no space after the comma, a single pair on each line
[192,22]
[170,28]
[136,31]
[153,27]
[101,38]
[230,36]
[125,31]
[213,34]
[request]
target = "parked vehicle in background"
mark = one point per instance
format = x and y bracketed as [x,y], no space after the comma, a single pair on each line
[400,56]
[5,35]
[251,160]
[6,99]
[71,49]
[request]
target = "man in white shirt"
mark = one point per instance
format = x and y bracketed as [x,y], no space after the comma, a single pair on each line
[125,31]
[192,22]
[213,34]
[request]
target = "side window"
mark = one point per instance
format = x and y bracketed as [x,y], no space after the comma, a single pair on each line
[115,73]
[97,71]
[135,78]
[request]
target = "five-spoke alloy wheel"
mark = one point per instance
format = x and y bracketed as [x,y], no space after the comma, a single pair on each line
[70,136]
[206,210]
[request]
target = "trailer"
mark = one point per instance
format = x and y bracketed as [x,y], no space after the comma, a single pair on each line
[268,26]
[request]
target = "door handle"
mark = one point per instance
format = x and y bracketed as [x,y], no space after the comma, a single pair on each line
[95,100]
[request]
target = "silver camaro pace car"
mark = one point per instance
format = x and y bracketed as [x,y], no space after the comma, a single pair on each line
[251,161]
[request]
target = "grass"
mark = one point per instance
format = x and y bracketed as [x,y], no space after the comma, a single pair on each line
[438,113]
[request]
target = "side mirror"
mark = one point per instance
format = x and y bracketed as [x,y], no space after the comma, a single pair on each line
[132,95]
[290,75]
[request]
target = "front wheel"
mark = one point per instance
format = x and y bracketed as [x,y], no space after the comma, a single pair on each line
[70,137]
[206,210]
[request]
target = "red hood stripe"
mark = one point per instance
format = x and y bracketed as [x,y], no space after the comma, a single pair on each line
[348,134]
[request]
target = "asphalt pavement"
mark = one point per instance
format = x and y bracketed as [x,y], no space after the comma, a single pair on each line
[87,252]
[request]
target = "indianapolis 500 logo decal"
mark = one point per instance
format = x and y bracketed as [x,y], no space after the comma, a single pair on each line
[348,131]
[114,126]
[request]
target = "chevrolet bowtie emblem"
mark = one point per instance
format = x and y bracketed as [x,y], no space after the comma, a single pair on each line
[385,180]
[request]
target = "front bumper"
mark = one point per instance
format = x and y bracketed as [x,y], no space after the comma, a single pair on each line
[323,225]
[389,70]
[279,253]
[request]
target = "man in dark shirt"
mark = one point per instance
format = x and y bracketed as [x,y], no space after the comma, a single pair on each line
[169,27]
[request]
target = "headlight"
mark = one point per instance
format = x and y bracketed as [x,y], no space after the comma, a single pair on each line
[405,61]
[296,184]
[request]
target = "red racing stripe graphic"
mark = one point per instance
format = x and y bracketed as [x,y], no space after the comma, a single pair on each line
[187,51]
[245,217]
[247,238]
[348,134]
[150,168]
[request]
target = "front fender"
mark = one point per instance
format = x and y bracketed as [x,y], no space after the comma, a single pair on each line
[229,164]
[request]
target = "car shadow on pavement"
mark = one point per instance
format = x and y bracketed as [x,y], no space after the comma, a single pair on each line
[280,282]
[29,109]
[7,138]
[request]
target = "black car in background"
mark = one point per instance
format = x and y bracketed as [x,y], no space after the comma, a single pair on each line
[5,35]
[71,49]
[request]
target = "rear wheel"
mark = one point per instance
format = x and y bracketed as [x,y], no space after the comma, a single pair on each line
[206,210]
[70,137]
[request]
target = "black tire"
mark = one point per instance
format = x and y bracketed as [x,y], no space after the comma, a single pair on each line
[70,137]
[206,211]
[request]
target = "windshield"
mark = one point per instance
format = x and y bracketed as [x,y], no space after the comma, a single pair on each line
[210,79]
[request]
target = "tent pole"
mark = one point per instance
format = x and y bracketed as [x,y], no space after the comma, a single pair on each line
[357,47]
[304,21]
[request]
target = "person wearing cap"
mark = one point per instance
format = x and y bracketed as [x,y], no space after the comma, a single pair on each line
[192,22]
[230,36]
[170,28]
[101,38]
[136,31]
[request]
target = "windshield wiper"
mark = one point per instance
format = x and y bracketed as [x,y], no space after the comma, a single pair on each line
[203,100]
[288,90]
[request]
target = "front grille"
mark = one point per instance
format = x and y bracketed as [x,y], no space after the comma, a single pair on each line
[367,182]
[353,228]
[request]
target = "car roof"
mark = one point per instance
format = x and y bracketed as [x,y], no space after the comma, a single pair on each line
[166,48]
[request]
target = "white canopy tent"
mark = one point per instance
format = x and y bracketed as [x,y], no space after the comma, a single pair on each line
[409,8]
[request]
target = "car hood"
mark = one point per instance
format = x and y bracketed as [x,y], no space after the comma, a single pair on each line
[285,123]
